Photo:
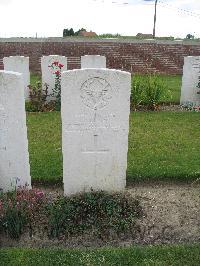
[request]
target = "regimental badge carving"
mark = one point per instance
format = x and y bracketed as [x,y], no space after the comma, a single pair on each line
[96,93]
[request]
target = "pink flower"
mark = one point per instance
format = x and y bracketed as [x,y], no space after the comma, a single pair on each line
[39,194]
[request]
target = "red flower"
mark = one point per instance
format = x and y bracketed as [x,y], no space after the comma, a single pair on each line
[55,63]
[57,72]
[61,65]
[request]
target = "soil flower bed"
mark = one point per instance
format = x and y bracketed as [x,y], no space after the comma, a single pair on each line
[100,214]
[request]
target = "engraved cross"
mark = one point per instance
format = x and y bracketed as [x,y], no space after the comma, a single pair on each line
[95,150]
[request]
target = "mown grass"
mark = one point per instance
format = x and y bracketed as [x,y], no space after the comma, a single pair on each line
[173,83]
[144,256]
[34,78]
[162,146]
[44,133]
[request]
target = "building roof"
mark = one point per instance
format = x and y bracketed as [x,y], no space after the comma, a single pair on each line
[87,33]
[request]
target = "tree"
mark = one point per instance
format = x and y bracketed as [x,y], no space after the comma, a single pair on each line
[68,32]
[65,32]
[77,32]
[189,36]
[71,32]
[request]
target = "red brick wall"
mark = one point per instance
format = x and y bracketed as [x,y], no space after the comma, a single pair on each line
[134,56]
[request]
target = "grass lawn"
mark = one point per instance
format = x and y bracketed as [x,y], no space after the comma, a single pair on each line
[174,85]
[34,78]
[162,146]
[44,133]
[155,255]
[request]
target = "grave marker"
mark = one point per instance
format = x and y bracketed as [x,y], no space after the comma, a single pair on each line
[190,90]
[49,65]
[14,158]
[95,121]
[19,64]
[93,61]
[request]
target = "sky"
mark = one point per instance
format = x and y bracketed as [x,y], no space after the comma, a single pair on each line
[48,18]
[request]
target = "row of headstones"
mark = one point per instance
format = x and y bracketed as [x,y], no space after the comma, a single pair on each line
[190,92]
[48,68]
[95,121]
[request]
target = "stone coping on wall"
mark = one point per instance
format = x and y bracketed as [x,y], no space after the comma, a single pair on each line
[95,40]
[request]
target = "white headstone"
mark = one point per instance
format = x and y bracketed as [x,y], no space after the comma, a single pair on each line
[190,91]
[95,111]
[19,64]
[93,61]
[50,64]
[14,157]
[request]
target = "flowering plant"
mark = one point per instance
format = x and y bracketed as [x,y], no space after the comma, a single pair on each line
[198,85]
[196,108]
[55,69]
[38,97]
[190,106]
[18,209]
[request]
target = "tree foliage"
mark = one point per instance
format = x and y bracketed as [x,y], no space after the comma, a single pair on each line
[71,32]
[189,36]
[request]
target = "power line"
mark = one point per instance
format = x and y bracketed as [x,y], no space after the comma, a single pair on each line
[120,3]
[163,4]
[185,11]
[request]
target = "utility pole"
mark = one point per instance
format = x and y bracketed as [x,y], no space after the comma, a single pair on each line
[154,23]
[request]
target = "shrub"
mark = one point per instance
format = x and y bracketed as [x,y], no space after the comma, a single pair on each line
[99,212]
[18,209]
[149,90]
[155,91]
[38,98]
[137,91]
